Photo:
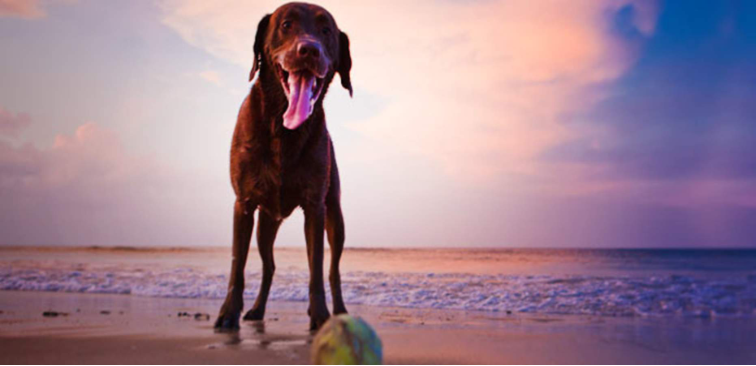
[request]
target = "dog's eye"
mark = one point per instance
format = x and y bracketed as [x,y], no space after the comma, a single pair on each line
[326,31]
[286,24]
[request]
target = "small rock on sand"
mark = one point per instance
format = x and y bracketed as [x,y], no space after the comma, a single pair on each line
[196,316]
[52,314]
[201,316]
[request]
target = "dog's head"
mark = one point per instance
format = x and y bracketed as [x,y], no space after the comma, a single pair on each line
[299,48]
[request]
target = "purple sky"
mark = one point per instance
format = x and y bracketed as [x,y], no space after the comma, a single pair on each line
[620,123]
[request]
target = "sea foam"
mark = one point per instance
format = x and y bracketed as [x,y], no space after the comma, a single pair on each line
[663,295]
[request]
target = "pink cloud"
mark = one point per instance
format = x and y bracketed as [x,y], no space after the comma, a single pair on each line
[90,167]
[28,9]
[25,9]
[11,125]
[478,88]
[210,76]
[88,189]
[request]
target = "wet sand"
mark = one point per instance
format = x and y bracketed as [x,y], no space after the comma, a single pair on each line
[91,328]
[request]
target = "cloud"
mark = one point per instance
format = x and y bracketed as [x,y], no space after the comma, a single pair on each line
[85,175]
[90,160]
[485,94]
[88,189]
[11,125]
[211,77]
[679,131]
[478,88]
[473,123]
[517,104]
[28,9]
[25,9]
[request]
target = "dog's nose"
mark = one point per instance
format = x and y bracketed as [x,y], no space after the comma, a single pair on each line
[308,49]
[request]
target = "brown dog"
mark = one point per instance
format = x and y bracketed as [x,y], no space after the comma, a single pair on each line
[282,155]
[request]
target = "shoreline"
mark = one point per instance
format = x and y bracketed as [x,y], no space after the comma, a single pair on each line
[373,248]
[611,283]
[147,330]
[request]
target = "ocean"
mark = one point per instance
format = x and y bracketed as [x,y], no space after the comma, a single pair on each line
[602,282]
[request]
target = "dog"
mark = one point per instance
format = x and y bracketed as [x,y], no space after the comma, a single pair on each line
[282,156]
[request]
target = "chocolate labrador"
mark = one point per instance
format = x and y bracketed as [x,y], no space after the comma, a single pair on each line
[282,155]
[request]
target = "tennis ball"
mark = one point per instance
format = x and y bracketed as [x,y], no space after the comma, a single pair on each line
[346,340]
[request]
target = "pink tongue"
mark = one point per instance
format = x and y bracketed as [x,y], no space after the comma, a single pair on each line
[300,93]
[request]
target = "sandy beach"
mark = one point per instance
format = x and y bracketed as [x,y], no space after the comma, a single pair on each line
[96,328]
[157,305]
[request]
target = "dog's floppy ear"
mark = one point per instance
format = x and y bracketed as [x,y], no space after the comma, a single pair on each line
[262,30]
[345,62]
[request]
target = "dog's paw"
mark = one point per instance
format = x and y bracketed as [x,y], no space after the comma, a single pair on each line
[228,322]
[255,314]
[339,309]
[318,317]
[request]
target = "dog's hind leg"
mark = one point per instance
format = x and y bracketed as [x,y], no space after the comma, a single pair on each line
[228,319]
[335,230]
[266,236]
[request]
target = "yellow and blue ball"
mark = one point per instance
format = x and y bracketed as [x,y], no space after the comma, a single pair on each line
[346,340]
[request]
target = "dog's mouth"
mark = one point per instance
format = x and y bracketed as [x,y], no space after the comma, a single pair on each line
[302,88]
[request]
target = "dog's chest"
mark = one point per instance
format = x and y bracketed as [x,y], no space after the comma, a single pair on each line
[289,178]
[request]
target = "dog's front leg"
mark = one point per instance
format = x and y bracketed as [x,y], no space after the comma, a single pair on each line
[314,231]
[267,227]
[228,319]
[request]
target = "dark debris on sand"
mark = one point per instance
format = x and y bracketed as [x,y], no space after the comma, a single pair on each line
[52,314]
[197,316]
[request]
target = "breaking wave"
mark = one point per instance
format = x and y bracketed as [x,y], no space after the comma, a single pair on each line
[667,295]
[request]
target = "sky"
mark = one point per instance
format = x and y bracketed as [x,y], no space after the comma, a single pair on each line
[486,123]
